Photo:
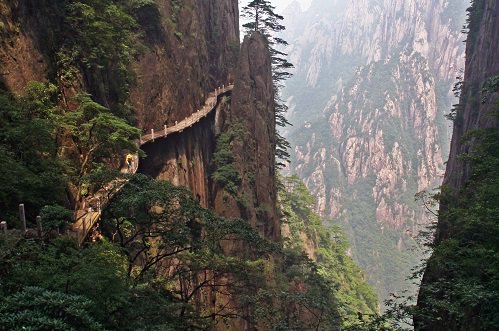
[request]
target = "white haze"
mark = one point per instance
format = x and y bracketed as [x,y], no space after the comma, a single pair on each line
[280,5]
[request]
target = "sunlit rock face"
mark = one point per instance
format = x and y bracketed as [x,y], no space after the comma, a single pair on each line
[372,82]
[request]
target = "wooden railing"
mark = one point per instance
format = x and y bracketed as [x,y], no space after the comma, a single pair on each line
[88,215]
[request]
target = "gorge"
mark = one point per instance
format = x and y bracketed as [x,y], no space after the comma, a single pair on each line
[372,83]
[207,233]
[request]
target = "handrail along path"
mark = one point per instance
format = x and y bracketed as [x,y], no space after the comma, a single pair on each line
[86,218]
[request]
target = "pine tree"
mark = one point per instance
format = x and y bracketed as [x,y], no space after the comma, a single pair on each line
[263,19]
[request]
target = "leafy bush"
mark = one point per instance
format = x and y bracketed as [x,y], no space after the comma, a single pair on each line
[55,217]
[226,173]
[36,308]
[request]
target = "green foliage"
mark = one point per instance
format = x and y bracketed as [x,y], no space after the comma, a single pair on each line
[36,308]
[473,22]
[352,294]
[155,223]
[179,35]
[55,217]
[175,10]
[137,4]
[491,86]
[454,13]
[226,173]
[96,133]
[100,40]
[262,17]
[461,278]
[298,298]
[96,273]
[167,252]
[31,170]
[460,288]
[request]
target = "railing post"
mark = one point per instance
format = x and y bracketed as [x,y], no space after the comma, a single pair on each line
[39,226]
[84,228]
[223,88]
[152,134]
[176,122]
[3,227]
[22,217]
[165,129]
[98,205]
[140,139]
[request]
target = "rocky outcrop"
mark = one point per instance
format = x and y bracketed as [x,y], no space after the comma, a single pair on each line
[368,31]
[372,83]
[252,108]
[464,258]
[373,129]
[186,158]
[481,65]
[189,48]
[364,33]
[192,48]
[20,59]
[183,158]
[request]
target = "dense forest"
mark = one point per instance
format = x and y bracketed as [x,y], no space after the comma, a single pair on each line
[155,237]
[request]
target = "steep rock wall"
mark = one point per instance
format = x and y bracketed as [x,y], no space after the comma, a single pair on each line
[20,59]
[189,48]
[365,32]
[464,257]
[192,48]
[481,64]
[183,159]
[252,107]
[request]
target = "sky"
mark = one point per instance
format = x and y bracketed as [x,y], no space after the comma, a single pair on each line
[281,4]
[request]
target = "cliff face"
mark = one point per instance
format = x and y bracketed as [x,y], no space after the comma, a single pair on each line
[186,158]
[252,108]
[20,59]
[366,31]
[481,64]
[373,80]
[183,159]
[378,145]
[192,48]
[464,260]
[188,49]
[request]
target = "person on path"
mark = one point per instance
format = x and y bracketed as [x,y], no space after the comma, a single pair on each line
[129,162]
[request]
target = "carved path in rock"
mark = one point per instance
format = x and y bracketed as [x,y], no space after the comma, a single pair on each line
[87,216]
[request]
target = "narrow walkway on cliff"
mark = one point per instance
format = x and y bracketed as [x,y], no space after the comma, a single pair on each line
[87,217]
